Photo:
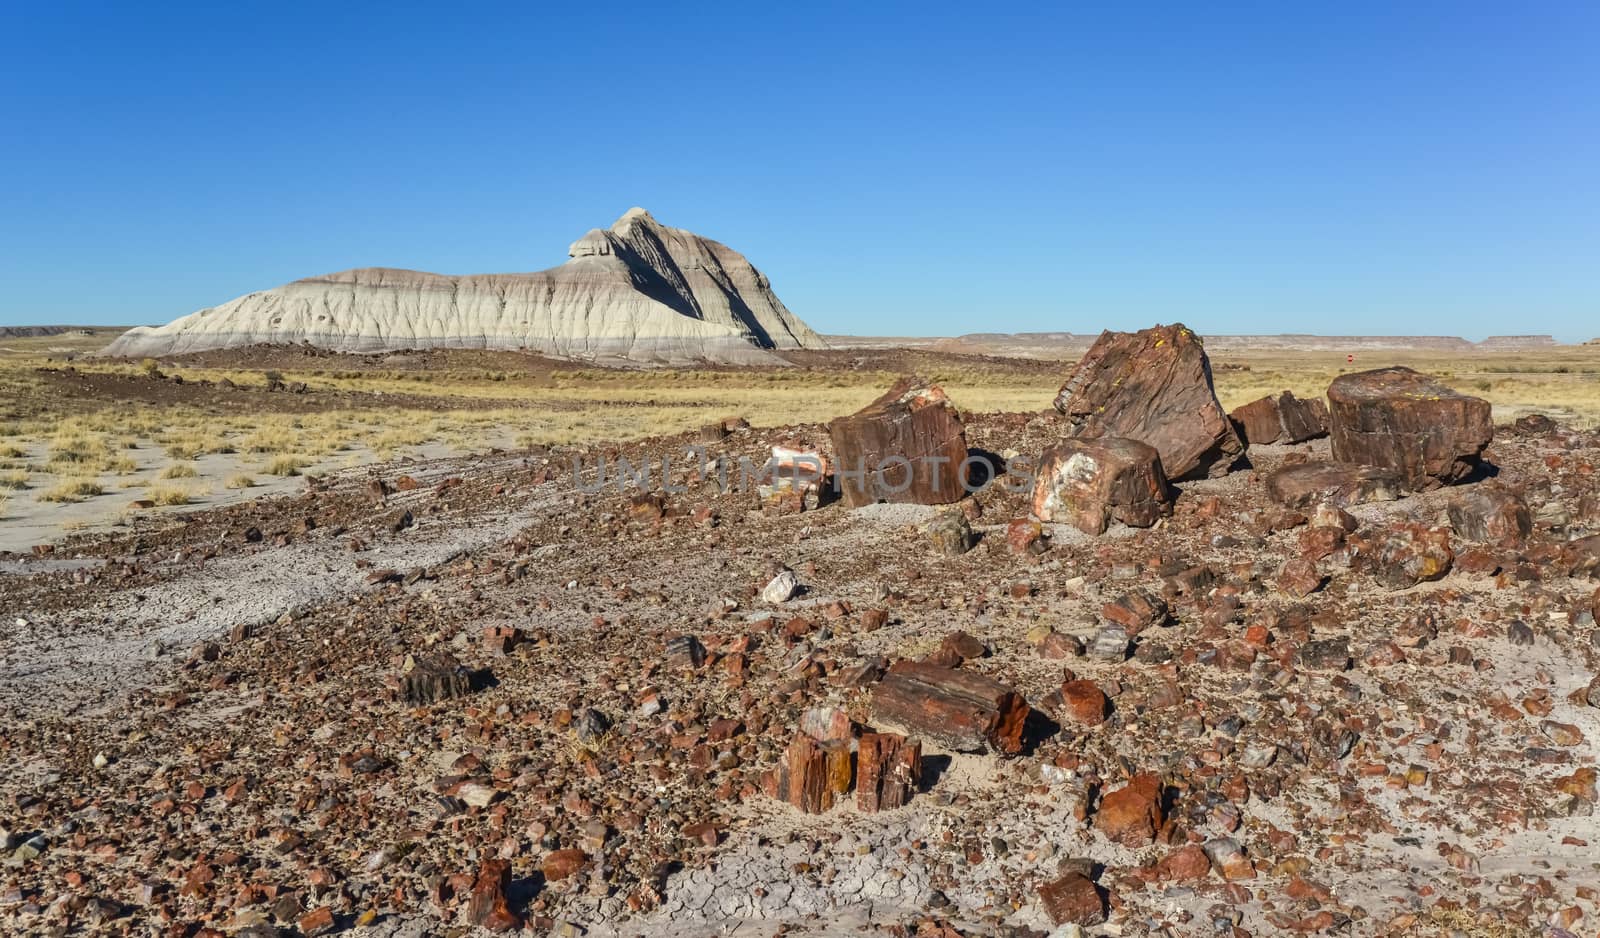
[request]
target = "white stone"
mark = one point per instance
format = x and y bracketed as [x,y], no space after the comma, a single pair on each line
[781,588]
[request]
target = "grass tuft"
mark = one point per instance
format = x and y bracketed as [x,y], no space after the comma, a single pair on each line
[168,495]
[72,490]
[285,466]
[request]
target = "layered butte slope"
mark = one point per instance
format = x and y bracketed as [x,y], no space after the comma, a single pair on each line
[639,291]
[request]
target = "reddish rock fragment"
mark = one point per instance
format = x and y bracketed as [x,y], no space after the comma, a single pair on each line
[1299,578]
[1073,899]
[1403,555]
[1023,536]
[1490,514]
[963,647]
[888,771]
[560,864]
[1281,418]
[1153,386]
[1084,703]
[1132,814]
[1184,864]
[1088,483]
[907,446]
[961,710]
[1400,419]
[488,907]
[1136,611]
[318,921]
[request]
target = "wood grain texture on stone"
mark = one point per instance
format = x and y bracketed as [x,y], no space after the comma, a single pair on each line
[1311,483]
[434,678]
[1281,418]
[1088,483]
[908,446]
[960,710]
[638,291]
[1153,386]
[1490,514]
[488,907]
[1403,420]
[813,775]
[888,771]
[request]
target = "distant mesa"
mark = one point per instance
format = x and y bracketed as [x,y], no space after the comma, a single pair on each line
[639,291]
[40,332]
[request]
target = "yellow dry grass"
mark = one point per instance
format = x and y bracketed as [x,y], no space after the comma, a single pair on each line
[469,409]
[285,466]
[169,495]
[72,490]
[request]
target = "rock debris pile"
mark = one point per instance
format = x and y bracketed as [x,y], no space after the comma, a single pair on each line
[1316,686]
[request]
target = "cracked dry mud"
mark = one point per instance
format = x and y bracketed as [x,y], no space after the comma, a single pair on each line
[205,730]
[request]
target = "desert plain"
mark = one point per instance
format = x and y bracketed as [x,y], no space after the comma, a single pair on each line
[298,642]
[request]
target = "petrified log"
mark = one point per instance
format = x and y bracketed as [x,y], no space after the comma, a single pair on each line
[907,446]
[1281,418]
[1088,482]
[1490,514]
[1307,484]
[813,774]
[1153,386]
[888,771]
[1402,420]
[960,710]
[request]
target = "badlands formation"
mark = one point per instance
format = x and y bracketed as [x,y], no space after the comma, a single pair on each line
[638,291]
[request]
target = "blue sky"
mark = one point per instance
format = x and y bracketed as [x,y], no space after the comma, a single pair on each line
[1384,168]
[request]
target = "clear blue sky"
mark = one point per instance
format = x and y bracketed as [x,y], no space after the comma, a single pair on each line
[1386,168]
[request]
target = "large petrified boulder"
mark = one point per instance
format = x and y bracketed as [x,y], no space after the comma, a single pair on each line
[1403,420]
[637,291]
[959,710]
[1281,418]
[1311,483]
[1153,386]
[907,446]
[1089,482]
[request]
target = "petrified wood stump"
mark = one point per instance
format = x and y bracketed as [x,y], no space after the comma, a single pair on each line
[960,710]
[907,446]
[1402,420]
[813,774]
[436,678]
[1153,386]
[1088,482]
[888,771]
